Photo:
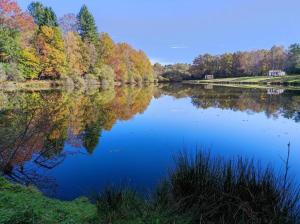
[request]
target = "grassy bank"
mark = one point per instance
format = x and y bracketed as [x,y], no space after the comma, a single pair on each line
[201,189]
[20,204]
[259,80]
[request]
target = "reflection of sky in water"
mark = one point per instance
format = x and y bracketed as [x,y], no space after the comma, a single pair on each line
[139,152]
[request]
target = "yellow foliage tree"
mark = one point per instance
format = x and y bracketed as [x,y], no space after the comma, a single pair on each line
[106,49]
[50,48]
[73,48]
[29,63]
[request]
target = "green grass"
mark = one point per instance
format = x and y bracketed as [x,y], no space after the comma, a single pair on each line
[262,80]
[20,204]
[200,189]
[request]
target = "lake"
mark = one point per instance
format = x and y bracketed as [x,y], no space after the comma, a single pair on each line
[76,143]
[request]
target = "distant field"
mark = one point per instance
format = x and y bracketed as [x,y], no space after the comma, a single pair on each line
[284,80]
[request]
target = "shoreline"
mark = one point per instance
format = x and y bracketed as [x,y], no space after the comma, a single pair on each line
[41,85]
[287,82]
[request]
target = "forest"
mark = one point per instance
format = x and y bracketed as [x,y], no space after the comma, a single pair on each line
[237,64]
[36,45]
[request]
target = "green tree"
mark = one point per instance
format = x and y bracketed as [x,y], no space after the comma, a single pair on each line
[43,16]
[226,64]
[9,45]
[87,26]
[294,58]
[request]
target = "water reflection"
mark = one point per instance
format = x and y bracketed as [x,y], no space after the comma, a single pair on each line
[273,101]
[36,127]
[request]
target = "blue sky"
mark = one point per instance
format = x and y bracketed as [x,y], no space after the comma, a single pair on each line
[172,31]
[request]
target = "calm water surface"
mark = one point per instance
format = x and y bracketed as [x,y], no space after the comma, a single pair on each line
[76,143]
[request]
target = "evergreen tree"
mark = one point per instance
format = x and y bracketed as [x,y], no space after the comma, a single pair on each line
[87,26]
[294,58]
[43,16]
[9,45]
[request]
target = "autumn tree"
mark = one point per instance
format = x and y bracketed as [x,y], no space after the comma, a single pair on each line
[13,17]
[89,56]
[50,48]
[32,46]
[204,65]
[73,50]
[106,49]
[142,66]
[247,63]
[278,57]
[87,26]
[131,66]
[29,63]
[69,23]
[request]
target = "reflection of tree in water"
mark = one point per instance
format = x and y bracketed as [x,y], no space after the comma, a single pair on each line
[241,99]
[35,126]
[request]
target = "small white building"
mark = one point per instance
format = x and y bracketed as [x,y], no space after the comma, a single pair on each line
[274,73]
[208,77]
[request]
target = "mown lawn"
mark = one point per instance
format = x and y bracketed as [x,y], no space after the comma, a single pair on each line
[285,80]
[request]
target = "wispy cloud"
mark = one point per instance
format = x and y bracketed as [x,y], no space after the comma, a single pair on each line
[175,46]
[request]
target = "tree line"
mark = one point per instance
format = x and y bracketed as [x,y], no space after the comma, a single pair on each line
[248,63]
[35,44]
[237,64]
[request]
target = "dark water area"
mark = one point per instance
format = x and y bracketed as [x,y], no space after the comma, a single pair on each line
[75,143]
